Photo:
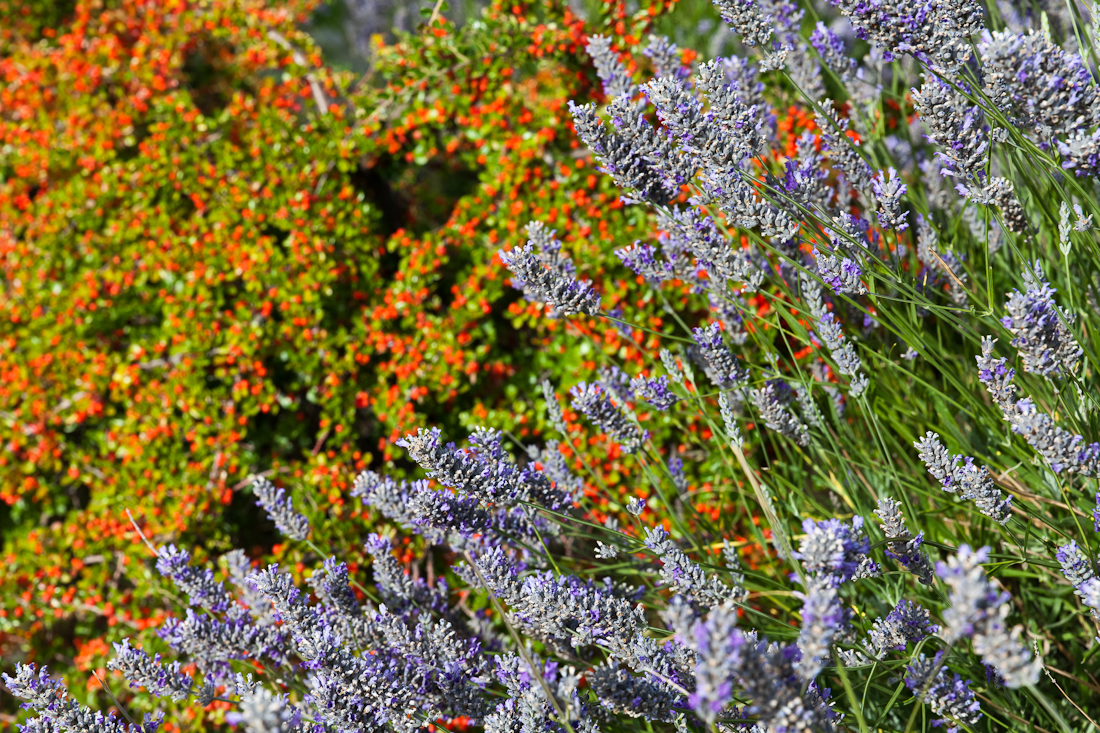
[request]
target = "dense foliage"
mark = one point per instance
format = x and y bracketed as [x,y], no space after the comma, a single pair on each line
[224,259]
[848,388]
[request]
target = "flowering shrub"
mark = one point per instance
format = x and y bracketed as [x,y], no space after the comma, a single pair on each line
[224,259]
[849,509]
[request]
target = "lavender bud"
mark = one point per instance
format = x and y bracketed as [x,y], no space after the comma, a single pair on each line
[972,483]
[1039,326]
[889,190]
[635,506]
[904,548]
[723,367]
[594,403]
[280,509]
[162,680]
[776,417]
[610,70]
[948,694]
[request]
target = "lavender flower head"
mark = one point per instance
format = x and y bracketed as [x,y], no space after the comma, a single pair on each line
[903,547]
[198,583]
[837,550]
[656,392]
[598,407]
[1039,327]
[546,275]
[777,417]
[978,611]
[1079,572]
[948,694]
[723,367]
[163,680]
[616,80]
[1063,450]
[889,191]
[280,509]
[822,616]
[972,483]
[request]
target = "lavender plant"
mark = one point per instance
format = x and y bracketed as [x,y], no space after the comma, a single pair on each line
[809,241]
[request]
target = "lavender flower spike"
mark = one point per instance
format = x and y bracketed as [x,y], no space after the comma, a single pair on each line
[683,575]
[564,295]
[59,713]
[1046,345]
[610,70]
[904,547]
[979,611]
[608,417]
[822,616]
[776,416]
[746,17]
[844,354]
[972,483]
[1079,572]
[949,695]
[889,191]
[836,550]
[1061,449]
[198,583]
[163,680]
[280,509]
[722,365]
[656,392]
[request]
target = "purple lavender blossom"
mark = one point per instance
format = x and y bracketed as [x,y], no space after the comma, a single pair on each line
[776,416]
[889,191]
[833,53]
[936,33]
[978,611]
[544,283]
[59,713]
[616,80]
[394,500]
[642,260]
[972,483]
[656,392]
[685,576]
[840,273]
[948,694]
[161,679]
[633,154]
[837,550]
[729,658]
[723,368]
[1078,570]
[822,616]
[198,583]
[844,354]
[1049,89]
[748,19]
[1061,449]
[666,58]
[908,623]
[280,509]
[903,546]
[595,404]
[1075,565]
[1039,327]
